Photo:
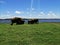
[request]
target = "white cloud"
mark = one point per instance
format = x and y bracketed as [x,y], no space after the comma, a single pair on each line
[8,12]
[18,12]
[50,14]
[33,9]
[41,14]
[27,12]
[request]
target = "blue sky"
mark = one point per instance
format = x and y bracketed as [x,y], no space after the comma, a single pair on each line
[30,8]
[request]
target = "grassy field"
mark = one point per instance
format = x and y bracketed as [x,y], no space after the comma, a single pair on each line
[27,34]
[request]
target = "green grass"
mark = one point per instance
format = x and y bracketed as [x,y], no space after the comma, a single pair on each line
[27,34]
